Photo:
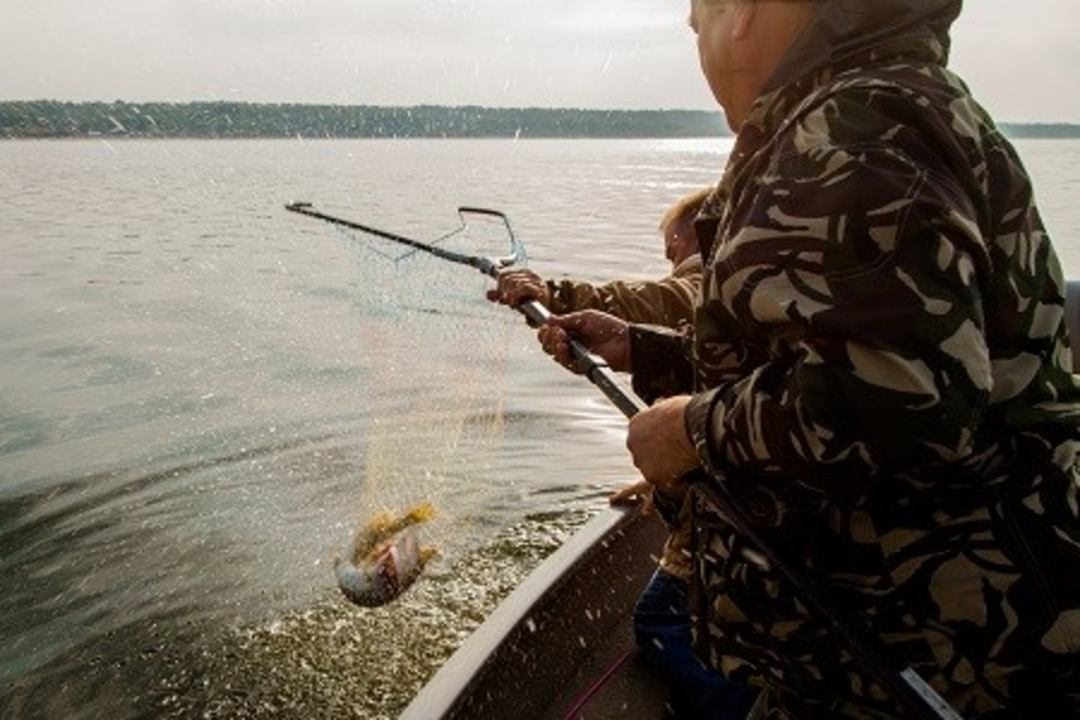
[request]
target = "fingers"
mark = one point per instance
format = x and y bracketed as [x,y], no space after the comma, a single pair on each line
[640,491]
[648,505]
[573,323]
[556,342]
[659,445]
[597,332]
[639,436]
[518,286]
[592,327]
[600,333]
[626,495]
[630,493]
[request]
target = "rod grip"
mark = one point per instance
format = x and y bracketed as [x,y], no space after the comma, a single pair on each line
[594,367]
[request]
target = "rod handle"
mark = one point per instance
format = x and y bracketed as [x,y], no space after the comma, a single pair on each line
[595,367]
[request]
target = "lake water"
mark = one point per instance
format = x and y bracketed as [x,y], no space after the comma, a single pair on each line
[202,395]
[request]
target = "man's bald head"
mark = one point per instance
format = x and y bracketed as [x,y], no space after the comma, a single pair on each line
[741,43]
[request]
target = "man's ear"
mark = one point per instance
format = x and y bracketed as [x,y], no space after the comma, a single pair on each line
[745,12]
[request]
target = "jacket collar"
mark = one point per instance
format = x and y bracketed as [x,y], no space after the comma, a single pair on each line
[844,34]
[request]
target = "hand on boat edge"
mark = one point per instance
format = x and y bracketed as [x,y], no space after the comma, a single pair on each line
[639,492]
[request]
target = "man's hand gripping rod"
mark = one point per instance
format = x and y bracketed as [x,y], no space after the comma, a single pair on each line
[594,367]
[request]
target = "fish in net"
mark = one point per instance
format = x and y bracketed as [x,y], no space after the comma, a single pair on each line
[385,557]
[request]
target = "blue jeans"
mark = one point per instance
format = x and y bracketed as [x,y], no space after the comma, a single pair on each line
[662,630]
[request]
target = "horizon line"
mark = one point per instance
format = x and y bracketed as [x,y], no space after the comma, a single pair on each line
[438,105]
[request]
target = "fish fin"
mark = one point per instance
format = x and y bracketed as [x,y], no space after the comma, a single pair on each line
[421,513]
[380,522]
[413,516]
[384,525]
[380,527]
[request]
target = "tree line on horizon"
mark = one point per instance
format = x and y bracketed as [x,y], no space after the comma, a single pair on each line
[56,119]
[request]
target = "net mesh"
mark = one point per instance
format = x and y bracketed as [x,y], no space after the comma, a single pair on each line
[437,356]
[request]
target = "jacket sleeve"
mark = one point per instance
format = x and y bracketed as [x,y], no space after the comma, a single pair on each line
[668,302]
[660,360]
[861,272]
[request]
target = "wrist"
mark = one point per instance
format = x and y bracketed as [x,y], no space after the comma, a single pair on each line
[625,361]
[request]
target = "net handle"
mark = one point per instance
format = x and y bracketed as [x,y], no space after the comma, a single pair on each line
[593,366]
[488,266]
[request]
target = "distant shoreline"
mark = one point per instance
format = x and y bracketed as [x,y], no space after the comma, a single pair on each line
[49,119]
[212,120]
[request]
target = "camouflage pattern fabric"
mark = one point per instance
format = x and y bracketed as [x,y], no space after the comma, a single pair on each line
[668,302]
[883,380]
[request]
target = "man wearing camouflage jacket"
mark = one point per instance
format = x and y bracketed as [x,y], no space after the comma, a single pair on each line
[880,372]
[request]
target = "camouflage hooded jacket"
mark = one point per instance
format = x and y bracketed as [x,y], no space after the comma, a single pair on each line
[882,378]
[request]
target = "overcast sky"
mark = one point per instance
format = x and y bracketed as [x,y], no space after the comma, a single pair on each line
[1021,59]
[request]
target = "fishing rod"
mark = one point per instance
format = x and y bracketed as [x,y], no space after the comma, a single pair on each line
[594,367]
[916,697]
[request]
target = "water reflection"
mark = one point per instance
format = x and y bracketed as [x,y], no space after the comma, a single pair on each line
[201,396]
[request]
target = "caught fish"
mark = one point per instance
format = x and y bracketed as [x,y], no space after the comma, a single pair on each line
[385,557]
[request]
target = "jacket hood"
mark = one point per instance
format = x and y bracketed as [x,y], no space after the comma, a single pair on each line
[846,29]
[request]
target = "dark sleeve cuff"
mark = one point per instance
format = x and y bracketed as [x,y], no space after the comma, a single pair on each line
[661,363]
[669,504]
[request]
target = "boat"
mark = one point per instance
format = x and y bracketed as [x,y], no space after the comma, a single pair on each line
[561,646]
